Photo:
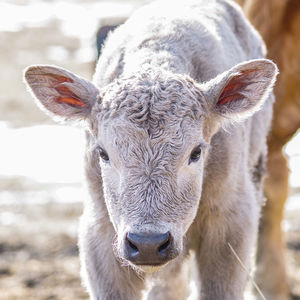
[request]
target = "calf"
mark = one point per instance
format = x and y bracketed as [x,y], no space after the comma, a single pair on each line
[176,120]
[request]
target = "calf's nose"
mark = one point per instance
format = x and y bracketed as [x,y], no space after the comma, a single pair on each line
[148,248]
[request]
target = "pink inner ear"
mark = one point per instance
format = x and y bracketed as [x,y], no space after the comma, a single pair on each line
[67,96]
[225,99]
[60,78]
[232,90]
[71,101]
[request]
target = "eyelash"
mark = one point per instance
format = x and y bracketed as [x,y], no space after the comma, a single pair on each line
[195,155]
[103,154]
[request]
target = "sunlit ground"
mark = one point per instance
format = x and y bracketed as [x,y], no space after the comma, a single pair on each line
[41,164]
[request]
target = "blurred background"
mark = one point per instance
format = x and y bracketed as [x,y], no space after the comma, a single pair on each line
[41,172]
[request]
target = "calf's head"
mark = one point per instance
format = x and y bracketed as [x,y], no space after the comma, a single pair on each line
[151,134]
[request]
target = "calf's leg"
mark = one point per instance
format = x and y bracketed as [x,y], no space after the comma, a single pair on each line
[222,277]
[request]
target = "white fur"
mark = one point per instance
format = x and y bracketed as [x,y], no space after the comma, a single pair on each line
[155,97]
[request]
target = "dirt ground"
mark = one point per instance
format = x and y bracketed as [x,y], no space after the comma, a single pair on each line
[38,228]
[39,258]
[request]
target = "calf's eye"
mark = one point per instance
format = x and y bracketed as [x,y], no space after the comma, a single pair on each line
[103,154]
[195,155]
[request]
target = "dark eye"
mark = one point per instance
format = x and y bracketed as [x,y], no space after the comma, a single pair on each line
[103,154]
[195,155]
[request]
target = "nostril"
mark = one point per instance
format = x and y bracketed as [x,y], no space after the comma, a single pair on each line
[132,246]
[164,246]
[134,249]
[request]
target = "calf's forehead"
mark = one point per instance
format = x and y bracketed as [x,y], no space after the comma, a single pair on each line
[123,132]
[151,97]
[154,106]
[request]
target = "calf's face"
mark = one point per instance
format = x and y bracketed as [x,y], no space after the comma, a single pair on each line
[151,135]
[151,149]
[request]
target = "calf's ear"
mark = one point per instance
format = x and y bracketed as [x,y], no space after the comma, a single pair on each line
[241,91]
[60,92]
